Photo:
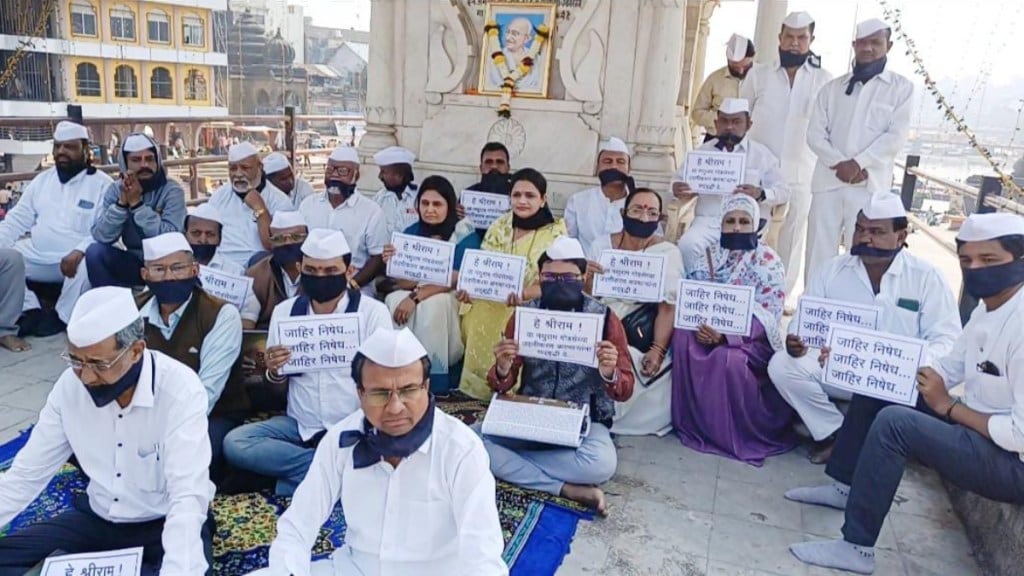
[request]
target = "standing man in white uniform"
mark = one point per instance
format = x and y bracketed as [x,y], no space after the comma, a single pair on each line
[914,297]
[58,208]
[593,215]
[781,97]
[762,180]
[858,126]
[279,171]
[415,483]
[397,199]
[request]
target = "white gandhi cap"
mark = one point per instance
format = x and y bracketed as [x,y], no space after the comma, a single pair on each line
[734,106]
[207,211]
[163,245]
[394,155]
[287,219]
[797,20]
[346,154]
[137,143]
[100,313]
[67,130]
[324,244]
[565,248]
[613,144]
[392,348]
[241,151]
[883,206]
[275,162]
[869,27]
[981,227]
[737,48]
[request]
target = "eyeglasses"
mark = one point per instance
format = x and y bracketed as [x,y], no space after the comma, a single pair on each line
[340,170]
[282,239]
[381,398]
[637,212]
[79,365]
[179,270]
[568,277]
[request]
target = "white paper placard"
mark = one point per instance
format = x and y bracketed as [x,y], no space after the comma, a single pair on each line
[127,562]
[724,307]
[710,172]
[560,336]
[875,364]
[421,259]
[228,287]
[491,276]
[633,276]
[319,342]
[483,208]
[816,315]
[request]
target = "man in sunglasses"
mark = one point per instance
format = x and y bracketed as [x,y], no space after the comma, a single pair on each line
[407,474]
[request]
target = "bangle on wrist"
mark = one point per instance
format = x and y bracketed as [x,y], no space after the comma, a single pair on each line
[614,378]
[949,411]
[274,379]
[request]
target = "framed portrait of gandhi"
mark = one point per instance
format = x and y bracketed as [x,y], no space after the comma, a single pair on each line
[516,54]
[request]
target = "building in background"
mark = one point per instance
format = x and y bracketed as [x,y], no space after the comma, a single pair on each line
[276,15]
[346,53]
[263,76]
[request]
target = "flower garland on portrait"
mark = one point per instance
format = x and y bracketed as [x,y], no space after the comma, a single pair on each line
[542,34]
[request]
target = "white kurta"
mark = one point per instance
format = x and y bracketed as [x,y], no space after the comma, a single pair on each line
[591,218]
[869,126]
[303,189]
[358,218]
[433,515]
[144,462]
[398,214]
[240,235]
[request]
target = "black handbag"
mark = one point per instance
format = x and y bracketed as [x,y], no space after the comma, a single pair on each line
[639,325]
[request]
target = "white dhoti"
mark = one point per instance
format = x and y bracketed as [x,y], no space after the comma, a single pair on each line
[703,231]
[435,322]
[798,381]
[649,409]
[790,235]
[832,219]
[39,268]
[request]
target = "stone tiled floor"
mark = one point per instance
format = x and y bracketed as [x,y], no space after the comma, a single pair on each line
[675,512]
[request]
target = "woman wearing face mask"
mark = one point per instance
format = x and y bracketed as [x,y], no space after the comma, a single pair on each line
[432,312]
[648,324]
[722,400]
[527,230]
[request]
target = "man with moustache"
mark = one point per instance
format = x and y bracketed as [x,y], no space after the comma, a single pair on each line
[722,83]
[279,171]
[781,97]
[57,210]
[495,166]
[143,204]
[593,215]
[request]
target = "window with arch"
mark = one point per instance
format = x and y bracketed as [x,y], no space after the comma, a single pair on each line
[83,18]
[158,27]
[87,80]
[122,23]
[126,85]
[193,31]
[195,86]
[161,87]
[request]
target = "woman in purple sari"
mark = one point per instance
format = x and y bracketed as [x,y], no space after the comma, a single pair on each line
[722,400]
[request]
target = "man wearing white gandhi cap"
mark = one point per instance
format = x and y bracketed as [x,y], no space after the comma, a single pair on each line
[762,180]
[246,204]
[914,301]
[593,215]
[974,441]
[858,126]
[282,447]
[276,277]
[722,83]
[397,199]
[388,462]
[56,212]
[279,171]
[135,420]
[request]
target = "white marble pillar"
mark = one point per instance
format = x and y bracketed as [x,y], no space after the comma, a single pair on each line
[381,104]
[655,134]
[770,14]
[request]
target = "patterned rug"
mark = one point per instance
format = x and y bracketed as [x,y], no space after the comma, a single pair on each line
[537,528]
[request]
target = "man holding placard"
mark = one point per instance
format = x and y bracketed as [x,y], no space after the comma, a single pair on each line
[592,215]
[203,227]
[276,278]
[975,442]
[731,163]
[495,166]
[602,378]
[321,391]
[911,296]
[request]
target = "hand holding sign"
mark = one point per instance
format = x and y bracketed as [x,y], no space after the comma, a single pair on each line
[491,276]
[713,172]
[875,364]
[421,260]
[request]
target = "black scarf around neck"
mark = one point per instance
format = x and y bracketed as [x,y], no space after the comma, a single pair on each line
[372,446]
[864,72]
[540,219]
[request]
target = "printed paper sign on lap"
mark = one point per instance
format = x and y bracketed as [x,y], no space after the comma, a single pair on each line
[421,259]
[491,276]
[560,336]
[724,307]
[632,276]
[228,287]
[319,342]
[127,562]
[816,315]
[483,208]
[875,364]
[717,173]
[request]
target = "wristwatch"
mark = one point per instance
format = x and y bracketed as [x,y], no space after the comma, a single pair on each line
[415,295]
[257,213]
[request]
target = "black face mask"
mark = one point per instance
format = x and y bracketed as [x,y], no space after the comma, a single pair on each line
[738,240]
[339,188]
[288,254]
[104,394]
[372,446]
[540,218]
[992,280]
[496,183]
[564,296]
[727,140]
[792,59]
[173,292]
[612,175]
[869,251]
[638,228]
[204,252]
[323,288]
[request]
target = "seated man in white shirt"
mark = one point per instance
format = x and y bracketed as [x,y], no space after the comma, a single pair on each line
[279,171]
[762,180]
[283,446]
[246,204]
[276,277]
[203,228]
[914,297]
[397,199]
[415,482]
[57,210]
[975,442]
[135,420]
[593,215]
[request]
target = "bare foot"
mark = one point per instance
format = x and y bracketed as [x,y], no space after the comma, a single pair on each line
[14,344]
[591,496]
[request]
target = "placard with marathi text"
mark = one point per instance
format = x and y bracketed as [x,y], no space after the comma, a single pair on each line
[559,336]
[717,173]
[875,364]
[815,316]
[319,342]
[421,259]
[483,208]
[491,276]
[724,307]
[127,562]
[632,276]
[228,287]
